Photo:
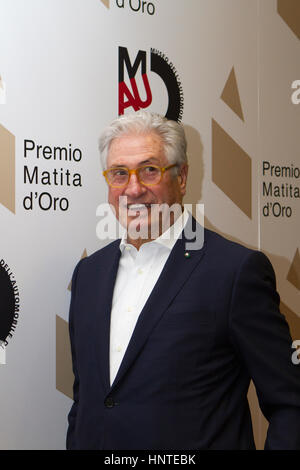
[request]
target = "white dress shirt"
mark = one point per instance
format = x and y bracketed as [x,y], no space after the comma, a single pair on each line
[137,274]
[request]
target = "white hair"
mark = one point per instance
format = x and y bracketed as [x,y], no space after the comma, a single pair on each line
[142,122]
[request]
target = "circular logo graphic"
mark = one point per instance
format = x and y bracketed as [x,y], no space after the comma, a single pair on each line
[9,303]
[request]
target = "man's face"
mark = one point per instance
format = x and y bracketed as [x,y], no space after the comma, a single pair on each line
[132,151]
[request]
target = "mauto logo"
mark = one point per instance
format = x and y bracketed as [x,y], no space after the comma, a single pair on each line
[130,95]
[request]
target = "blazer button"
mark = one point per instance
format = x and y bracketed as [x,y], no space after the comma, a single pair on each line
[109,402]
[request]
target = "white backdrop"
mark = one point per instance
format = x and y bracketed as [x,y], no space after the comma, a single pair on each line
[59,61]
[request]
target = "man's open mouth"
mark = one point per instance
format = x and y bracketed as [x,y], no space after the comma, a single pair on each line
[134,208]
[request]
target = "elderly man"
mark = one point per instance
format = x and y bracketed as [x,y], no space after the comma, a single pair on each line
[165,340]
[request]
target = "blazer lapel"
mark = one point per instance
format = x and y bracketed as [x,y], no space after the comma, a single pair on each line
[178,268]
[107,276]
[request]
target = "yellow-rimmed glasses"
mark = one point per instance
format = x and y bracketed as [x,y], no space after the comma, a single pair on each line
[148,175]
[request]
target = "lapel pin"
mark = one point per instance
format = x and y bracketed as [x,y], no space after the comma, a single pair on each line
[187,255]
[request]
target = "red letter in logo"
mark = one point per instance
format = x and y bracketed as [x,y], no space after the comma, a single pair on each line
[133,99]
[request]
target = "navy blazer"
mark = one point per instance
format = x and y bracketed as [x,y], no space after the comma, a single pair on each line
[211,323]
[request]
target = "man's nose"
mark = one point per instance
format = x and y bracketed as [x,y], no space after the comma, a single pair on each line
[134,188]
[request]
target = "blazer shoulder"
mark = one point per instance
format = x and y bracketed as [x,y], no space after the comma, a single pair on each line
[104,252]
[217,244]
[229,253]
[99,257]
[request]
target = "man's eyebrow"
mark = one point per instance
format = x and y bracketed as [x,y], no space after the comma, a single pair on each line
[118,166]
[149,160]
[144,162]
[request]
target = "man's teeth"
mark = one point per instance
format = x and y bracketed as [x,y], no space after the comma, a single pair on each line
[138,206]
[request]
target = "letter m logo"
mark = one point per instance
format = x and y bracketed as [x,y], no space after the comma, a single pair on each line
[131,98]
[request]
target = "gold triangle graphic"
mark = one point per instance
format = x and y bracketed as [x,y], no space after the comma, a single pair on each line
[7,169]
[231,96]
[64,371]
[293,320]
[84,255]
[289,10]
[231,169]
[105,2]
[294,272]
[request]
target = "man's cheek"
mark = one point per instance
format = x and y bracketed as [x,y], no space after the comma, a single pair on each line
[113,197]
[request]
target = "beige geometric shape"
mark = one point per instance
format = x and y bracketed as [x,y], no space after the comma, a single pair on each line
[294,272]
[259,423]
[293,320]
[105,2]
[231,96]
[289,10]
[64,372]
[7,169]
[231,169]
[84,255]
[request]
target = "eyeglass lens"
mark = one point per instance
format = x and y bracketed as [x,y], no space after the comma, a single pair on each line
[146,174]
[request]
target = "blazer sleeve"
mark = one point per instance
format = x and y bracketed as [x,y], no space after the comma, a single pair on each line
[70,442]
[261,336]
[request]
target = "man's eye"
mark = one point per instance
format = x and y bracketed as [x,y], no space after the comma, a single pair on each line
[120,172]
[151,169]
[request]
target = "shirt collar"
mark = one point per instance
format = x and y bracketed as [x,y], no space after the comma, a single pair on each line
[169,237]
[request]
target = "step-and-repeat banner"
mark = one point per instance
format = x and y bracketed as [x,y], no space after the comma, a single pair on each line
[229,70]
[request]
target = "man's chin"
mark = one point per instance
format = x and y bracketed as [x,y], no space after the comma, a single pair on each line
[143,228]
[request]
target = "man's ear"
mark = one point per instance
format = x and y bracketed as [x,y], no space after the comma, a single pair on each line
[182,177]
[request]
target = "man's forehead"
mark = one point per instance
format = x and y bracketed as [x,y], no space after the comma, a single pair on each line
[136,147]
[137,139]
